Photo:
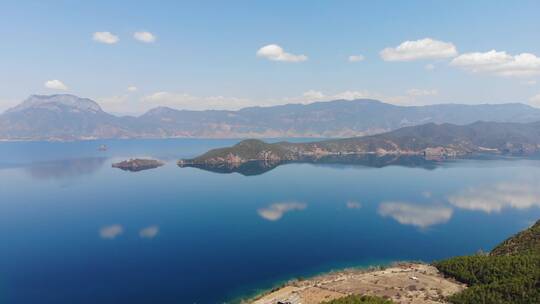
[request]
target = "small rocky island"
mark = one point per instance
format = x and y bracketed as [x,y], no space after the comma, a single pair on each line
[138,164]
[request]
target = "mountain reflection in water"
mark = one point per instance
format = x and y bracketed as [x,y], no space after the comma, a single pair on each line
[65,169]
[366,160]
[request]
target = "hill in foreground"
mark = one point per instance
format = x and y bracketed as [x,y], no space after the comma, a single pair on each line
[526,241]
[400,283]
[510,274]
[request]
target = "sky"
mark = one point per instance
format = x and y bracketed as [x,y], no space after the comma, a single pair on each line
[131,56]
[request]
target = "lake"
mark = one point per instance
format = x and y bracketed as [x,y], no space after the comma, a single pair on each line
[75,230]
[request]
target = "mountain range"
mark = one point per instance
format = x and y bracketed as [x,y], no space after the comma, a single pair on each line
[68,117]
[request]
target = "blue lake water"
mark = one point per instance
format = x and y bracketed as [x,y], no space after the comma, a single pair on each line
[75,230]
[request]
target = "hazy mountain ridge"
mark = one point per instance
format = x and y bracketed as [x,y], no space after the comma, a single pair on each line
[60,117]
[51,101]
[68,117]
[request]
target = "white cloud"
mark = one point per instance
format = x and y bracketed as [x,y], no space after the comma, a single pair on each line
[105,37]
[149,232]
[352,95]
[145,37]
[530,82]
[426,48]
[499,63]
[313,95]
[190,102]
[116,104]
[535,100]
[132,88]
[276,211]
[416,215]
[276,53]
[429,67]
[111,232]
[55,85]
[122,104]
[353,205]
[356,58]
[494,198]
[113,99]
[422,92]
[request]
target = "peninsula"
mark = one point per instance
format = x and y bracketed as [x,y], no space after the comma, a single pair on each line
[429,141]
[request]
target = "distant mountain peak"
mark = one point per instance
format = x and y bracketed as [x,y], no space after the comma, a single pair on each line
[66,100]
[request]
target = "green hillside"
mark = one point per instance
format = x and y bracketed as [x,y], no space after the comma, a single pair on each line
[510,274]
[527,241]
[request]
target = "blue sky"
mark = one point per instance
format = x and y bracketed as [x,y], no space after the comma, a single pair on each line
[204,54]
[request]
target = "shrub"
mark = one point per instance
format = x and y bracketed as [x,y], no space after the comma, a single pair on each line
[356,299]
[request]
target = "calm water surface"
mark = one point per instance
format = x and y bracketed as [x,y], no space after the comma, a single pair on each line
[75,230]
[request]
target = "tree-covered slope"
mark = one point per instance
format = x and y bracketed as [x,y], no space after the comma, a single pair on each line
[510,274]
[526,241]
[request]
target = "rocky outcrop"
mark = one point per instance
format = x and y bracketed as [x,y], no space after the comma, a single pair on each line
[138,164]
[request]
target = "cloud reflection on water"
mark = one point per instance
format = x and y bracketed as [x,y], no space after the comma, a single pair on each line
[421,216]
[494,198]
[149,232]
[65,169]
[276,211]
[111,232]
[353,205]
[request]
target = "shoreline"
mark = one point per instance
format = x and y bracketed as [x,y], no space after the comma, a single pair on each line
[256,290]
[402,282]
